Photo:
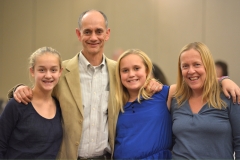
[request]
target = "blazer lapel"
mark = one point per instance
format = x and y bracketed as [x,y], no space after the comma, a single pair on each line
[73,81]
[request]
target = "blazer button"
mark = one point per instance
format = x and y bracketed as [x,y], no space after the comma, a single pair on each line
[77,143]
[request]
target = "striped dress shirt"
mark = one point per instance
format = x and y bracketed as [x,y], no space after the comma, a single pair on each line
[95,90]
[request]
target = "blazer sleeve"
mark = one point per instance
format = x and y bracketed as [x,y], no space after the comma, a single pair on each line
[11,91]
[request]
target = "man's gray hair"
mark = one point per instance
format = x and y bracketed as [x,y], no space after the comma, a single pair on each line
[81,16]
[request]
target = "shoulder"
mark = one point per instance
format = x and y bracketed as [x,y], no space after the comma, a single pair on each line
[165,89]
[229,102]
[163,92]
[13,106]
[224,98]
[172,90]
[73,60]
[13,103]
[110,62]
[111,66]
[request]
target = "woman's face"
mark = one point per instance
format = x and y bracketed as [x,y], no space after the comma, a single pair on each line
[193,71]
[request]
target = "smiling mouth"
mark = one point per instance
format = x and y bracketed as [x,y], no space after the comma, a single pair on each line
[193,78]
[48,81]
[93,44]
[134,80]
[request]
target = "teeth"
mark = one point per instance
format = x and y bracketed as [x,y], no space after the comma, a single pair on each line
[47,81]
[133,80]
[192,79]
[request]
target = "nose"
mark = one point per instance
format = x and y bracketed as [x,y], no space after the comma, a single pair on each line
[93,36]
[131,73]
[48,74]
[191,70]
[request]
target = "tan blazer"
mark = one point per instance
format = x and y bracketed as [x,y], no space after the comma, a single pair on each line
[68,92]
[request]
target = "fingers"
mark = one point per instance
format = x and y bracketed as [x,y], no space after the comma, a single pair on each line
[149,86]
[23,94]
[235,94]
[238,95]
[226,93]
[154,86]
[158,87]
[15,96]
[231,88]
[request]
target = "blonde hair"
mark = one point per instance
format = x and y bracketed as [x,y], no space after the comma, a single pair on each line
[39,52]
[122,95]
[211,88]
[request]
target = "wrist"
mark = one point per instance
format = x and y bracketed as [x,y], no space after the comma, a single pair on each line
[222,78]
[14,89]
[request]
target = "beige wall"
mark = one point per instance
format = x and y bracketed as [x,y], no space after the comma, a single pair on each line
[158,27]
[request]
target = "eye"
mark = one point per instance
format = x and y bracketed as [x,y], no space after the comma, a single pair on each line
[54,70]
[124,70]
[87,32]
[41,70]
[137,68]
[184,66]
[197,64]
[99,31]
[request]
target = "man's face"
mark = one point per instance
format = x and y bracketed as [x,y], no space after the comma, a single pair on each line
[93,33]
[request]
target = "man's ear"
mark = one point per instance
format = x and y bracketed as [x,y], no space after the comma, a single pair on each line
[107,34]
[78,33]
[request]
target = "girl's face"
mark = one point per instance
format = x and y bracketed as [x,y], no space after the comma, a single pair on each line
[193,71]
[46,71]
[133,73]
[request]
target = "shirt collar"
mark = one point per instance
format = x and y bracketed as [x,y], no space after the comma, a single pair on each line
[86,63]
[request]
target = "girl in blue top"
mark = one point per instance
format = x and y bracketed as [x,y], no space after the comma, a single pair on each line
[144,124]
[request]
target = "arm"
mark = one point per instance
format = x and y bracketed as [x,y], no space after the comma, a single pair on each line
[234,119]
[8,120]
[171,93]
[21,93]
[231,88]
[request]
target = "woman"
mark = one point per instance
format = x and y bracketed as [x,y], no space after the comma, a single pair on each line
[144,124]
[205,122]
[34,131]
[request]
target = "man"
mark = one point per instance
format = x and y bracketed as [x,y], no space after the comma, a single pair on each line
[88,115]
